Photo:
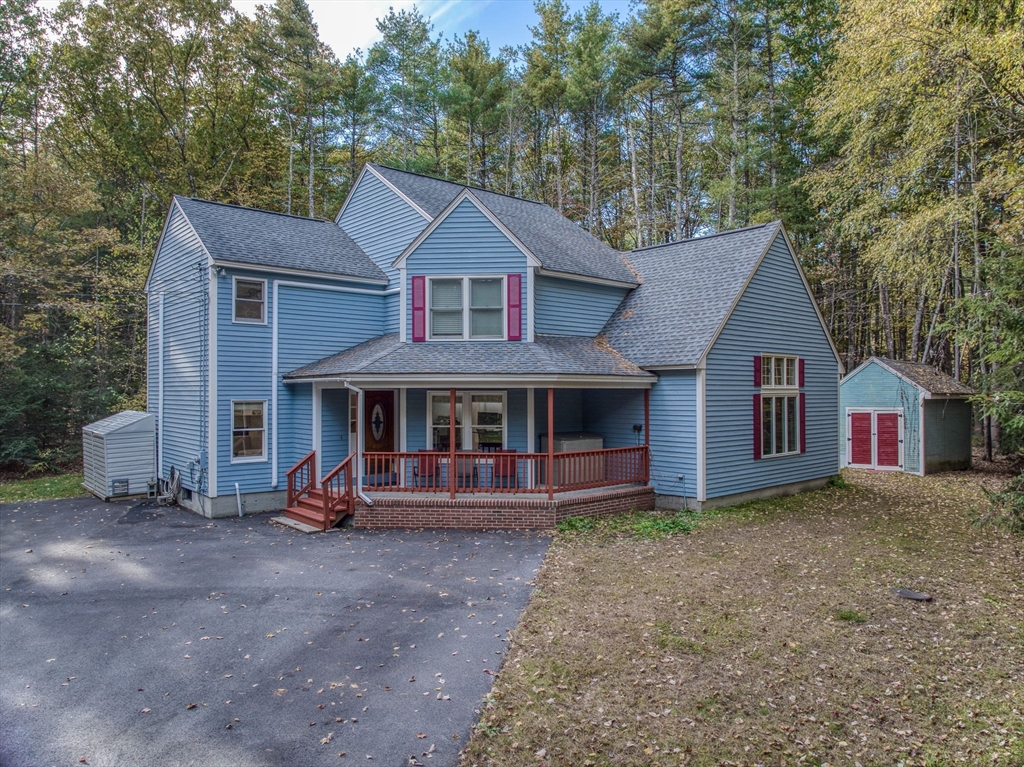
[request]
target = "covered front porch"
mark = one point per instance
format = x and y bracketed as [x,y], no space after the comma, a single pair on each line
[559,422]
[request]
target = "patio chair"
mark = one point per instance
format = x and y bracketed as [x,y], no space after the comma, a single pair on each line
[466,472]
[505,472]
[426,470]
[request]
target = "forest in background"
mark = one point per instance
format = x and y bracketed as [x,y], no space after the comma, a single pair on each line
[889,137]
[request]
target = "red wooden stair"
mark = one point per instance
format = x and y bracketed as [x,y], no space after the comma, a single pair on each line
[322,507]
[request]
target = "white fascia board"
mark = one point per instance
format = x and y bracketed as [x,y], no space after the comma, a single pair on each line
[465,194]
[351,192]
[736,299]
[656,368]
[810,295]
[585,278]
[297,272]
[487,381]
[159,242]
[405,198]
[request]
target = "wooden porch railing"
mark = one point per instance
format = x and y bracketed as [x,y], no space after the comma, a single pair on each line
[429,471]
[301,478]
[336,488]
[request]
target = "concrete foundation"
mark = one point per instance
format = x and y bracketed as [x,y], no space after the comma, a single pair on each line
[227,506]
[678,502]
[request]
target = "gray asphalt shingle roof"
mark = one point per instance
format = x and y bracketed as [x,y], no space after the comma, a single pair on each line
[927,377]
[265,238]
[558,243]
[548,355]
[686,290]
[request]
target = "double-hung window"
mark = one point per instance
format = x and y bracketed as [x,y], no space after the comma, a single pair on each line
[250,301]
[780,406]
[248,431]
[467,307]
[486,416]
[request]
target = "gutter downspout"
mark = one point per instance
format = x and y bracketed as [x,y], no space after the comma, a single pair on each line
[160,393]
[273,390]
[360,437]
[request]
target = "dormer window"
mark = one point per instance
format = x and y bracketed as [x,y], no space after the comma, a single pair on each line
[467,307]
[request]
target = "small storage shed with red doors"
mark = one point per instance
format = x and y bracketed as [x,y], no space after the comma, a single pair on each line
[904,416]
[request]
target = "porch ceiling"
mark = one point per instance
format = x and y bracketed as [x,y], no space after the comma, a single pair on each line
[558,361]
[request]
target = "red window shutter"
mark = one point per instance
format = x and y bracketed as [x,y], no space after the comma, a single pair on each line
[419,308]
[757,373]
[757,425]
[801,362]
[515,307]
[802,415]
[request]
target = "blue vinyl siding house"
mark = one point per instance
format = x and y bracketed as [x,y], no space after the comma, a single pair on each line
[432,338]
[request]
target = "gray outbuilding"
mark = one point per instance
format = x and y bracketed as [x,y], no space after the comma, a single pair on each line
[119,455]
[904,416]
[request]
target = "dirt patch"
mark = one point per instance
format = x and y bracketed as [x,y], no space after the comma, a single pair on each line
[772,635]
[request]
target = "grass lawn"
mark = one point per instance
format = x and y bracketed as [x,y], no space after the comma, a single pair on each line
[43,488]
[771,635]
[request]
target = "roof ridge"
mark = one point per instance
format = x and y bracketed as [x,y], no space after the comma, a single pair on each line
[704,237]
[470,187]
[253,210]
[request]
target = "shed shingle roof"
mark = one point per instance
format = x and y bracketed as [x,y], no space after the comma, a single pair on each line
[264,238]
[548,355]
[927,377]
[686,291]
[559,244]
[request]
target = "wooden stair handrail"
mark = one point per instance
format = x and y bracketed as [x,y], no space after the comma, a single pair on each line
[305,470]
[332,502]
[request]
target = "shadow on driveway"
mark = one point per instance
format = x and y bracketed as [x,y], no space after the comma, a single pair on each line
[134,634]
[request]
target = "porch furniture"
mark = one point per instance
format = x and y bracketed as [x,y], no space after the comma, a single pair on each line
[505,469]
[426,469]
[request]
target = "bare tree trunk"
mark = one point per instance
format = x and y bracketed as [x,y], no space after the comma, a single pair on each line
[595,224]
[935,317]
[734,117]
[291,161]
[636,185]
[312,167]
[886,319]
[915,339]
[773,168]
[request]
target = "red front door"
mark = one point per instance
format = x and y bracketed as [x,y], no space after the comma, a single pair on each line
[379,421]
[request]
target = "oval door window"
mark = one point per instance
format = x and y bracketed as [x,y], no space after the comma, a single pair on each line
[377,422]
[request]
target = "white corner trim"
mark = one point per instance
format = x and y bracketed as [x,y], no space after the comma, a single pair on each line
[403,308]
[160,389]
[920,431]
[212,360]
[702,434]
[531,297]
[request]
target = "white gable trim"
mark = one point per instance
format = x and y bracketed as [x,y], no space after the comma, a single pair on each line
[746,283]
[368,168]
[163,233]
[878,361]
[465,194]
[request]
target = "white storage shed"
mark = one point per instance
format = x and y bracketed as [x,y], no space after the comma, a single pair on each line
[119,455]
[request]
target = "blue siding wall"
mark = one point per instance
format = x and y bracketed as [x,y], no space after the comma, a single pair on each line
[381,223]
[947,434]
[613,412]
[466,242]
[774,315]
[392,307]
[573,308]
[180,272]
[334,428]
[568,412]
[312,324]
[875,387]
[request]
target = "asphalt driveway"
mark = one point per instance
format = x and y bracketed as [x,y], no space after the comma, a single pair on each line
[131,634]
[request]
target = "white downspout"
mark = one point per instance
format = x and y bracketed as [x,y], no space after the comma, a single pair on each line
[360,437]
[273,389]
[160,391]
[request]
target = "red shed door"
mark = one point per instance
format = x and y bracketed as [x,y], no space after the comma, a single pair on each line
[888,440]
[860,439]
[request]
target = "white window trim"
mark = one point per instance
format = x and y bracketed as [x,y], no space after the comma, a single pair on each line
[784,388]
[466,309]
[772,394]
[467,428]
[249,458]
[235,319]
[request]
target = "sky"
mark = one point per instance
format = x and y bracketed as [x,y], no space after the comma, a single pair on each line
[348,24]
